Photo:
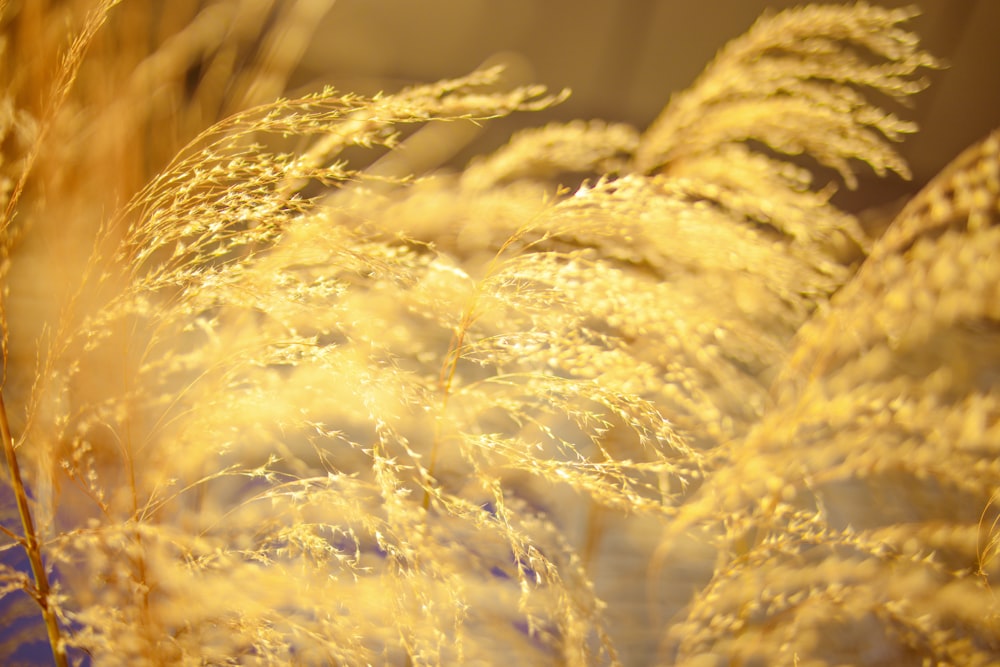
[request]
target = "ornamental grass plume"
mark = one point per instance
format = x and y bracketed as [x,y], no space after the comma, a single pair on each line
[283,400]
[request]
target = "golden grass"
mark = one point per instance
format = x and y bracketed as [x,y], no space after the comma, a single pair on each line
[268,402]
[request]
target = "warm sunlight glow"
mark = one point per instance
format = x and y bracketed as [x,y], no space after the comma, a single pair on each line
[277,393]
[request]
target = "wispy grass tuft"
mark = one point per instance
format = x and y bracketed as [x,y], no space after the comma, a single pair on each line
[278,403]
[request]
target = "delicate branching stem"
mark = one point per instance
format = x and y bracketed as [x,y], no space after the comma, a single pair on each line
[447,376]
[31,544]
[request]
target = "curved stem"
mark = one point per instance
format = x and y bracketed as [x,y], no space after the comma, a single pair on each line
[450,366]
[31,544]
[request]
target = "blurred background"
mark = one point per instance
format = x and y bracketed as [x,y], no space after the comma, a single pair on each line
[623,59]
